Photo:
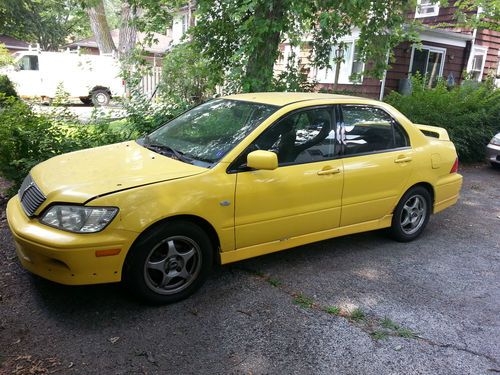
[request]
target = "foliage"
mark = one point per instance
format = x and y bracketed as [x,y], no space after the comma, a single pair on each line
[467,15]
[6,88]
[5,56]
[27,138]
[47,22]
[470,113]
[143,113]
[241,37]
[187,77]
[294,77]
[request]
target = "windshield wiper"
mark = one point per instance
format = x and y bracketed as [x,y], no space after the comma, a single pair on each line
[163,149]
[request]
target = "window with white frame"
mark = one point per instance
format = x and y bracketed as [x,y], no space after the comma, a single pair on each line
[477,58]
[428,61]
[185,24]
[427,8]
[351,67]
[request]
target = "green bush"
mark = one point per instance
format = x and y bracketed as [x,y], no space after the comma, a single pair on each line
[6,87]
[27,139]
[470,113]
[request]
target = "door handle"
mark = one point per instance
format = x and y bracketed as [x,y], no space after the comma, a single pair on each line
[403,159]
[328,170]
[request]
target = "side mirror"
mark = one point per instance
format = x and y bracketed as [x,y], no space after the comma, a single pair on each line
[261,159]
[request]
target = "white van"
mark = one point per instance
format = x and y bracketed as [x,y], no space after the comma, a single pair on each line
[92,78]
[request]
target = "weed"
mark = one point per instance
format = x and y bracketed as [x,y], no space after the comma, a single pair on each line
[303,301]
[274,282]
[389,324]
[357,315]
[405,332]
[334,310]
[379,335]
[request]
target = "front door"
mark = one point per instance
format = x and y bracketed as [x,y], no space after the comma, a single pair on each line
[303,195]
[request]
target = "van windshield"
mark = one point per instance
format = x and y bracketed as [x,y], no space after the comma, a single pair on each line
[209,131]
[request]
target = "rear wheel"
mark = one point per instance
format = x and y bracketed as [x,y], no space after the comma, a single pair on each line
[169,263]
[100,97]
[411,214]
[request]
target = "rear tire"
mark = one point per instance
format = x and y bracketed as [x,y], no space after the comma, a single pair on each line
[100,97]
[169,262]
[411,214]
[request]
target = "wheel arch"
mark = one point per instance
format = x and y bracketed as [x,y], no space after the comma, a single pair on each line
[426,185]
[95,88]
[201,222]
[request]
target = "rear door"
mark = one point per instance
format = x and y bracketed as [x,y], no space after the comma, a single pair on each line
[377,159]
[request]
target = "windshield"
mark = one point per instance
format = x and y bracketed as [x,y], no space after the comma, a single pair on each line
[206,133]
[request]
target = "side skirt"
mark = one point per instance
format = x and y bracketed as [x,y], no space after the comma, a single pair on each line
[271,247]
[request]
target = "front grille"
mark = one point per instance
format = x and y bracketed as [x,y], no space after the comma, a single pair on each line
[31,196]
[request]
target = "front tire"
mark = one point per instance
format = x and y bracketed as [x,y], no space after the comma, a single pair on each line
[169,262]
[411,214]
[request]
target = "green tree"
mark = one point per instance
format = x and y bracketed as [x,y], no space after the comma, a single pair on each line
[488,18]
[243,35]
[47,22]
[187,76]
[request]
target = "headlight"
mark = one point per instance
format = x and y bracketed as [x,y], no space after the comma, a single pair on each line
[79,219]
[495,140]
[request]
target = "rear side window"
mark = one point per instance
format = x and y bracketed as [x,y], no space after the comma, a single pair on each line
[368,129]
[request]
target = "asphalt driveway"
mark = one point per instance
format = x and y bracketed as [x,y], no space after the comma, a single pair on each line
[360,304]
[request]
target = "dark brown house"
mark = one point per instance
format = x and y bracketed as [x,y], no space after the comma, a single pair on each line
[13,44]
[449,52]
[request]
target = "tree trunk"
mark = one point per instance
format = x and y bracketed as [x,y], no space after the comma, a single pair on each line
[100,28]
[260,65]
[128,31]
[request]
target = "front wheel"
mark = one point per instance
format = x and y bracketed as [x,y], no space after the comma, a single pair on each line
[169,263]
[411,214]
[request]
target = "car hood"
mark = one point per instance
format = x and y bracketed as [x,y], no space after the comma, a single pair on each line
[79,176]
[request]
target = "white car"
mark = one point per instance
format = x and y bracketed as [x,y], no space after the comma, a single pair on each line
[493,151]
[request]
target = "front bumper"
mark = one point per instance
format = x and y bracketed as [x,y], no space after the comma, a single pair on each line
[493,153]
[64,257]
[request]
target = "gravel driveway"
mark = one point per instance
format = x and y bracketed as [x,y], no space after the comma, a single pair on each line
[360,304]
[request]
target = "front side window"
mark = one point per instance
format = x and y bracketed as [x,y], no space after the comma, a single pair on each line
[428,62]
[206,133]
[301,137]
[369,129]
[427,8]
[28,63]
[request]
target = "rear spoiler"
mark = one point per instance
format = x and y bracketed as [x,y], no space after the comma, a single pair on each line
[434,132]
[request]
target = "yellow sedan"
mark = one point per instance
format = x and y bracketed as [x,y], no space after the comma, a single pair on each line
[234,178]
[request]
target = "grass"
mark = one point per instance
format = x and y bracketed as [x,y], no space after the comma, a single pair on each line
[389,324]
[357,315]
[303,301]
[274,282]
[405,333]
[379,335]
[333,310]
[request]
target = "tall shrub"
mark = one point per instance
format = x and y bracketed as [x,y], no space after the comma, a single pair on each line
[470,113]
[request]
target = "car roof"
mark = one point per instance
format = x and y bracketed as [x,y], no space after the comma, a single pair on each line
[285,98]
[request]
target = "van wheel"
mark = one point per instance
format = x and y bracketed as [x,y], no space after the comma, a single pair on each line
[411,214]
[100,97]
[169,263]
